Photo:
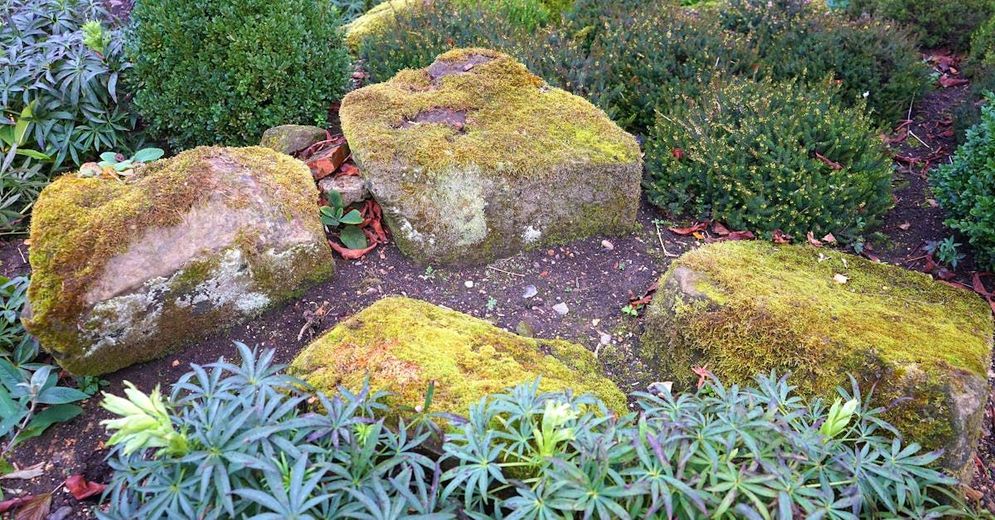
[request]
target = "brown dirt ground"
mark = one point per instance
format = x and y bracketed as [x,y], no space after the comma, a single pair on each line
[594,280]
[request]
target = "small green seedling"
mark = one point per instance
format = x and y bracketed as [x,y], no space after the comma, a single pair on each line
[946,251]
[839,417]
[334,215]
[125,166]
[629,310]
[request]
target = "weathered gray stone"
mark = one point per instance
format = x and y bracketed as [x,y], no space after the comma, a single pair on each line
[474,159]
[352,188]
[126,271]
[291,139]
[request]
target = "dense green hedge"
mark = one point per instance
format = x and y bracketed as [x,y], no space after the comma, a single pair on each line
[939,23]
[870,59]
[222,71]
[765,156]
[965,188]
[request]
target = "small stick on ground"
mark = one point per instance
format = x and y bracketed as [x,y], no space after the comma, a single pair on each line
[660,237]
[505,272]
[313,319]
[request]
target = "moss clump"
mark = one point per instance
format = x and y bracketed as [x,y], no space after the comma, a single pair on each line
[81,224]
[403,344]
[748,307]
[514,125]
[375,20]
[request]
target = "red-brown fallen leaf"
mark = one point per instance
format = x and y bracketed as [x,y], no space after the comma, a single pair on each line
[678,153]
[703,375]
[812,240]
[911,161]
[829,238]
[32,507]
[944,274]
[348,169]
[948,82]
[82,488]
[904,226]
[979,286]
[719,229]
[690,230]
[646,298]
[740,235]
[780,237]
[828,162]
[350,254]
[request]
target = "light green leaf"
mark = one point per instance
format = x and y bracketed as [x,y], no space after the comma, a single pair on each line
[353,237]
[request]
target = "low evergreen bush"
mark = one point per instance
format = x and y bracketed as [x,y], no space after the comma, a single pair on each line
[768,156]
[223,71]
[965,188]
[238,441]
[938,23]
[875,62]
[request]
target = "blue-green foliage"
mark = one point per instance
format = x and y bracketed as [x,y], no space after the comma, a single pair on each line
[260,446]
[74,76]
[965,188]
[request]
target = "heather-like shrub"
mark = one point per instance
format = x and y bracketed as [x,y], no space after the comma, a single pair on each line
[222,71]
[873,61]
[239,441]
[965,188]
[770,155]
[66,57]
[938,23]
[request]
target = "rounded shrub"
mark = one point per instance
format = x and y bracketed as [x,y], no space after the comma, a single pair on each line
[770,155]
[965,188]
[222,71]
[872,60]
[939,23]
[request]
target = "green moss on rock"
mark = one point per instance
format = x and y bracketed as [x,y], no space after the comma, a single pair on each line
[291,139]
[740,308]
[403,344]
[124,271]
[474,158]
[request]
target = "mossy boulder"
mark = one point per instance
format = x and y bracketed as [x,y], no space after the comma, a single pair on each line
[403,344]
[474,158]
[378,18]
[741,308]
[125,271]
[292,139]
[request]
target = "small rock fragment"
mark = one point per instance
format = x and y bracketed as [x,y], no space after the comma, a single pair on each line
[468,284]
[607,245]
[561,309]
[351,187]
[530,292]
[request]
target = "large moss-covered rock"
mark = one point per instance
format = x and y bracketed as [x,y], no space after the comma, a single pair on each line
[740,308]
[125,271]
[403,344]
[473,158]
[292,139]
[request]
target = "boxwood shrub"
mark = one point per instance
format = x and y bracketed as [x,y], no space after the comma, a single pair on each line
[872,60]
[965,188]
[239,441]
[770,155]
[222,71]
[938,23]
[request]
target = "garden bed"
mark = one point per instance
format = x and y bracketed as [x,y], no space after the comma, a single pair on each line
[595,278]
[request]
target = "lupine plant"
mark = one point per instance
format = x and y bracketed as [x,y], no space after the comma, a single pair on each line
[245,441]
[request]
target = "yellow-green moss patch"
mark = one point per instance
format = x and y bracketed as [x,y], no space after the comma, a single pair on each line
[742,308]
[515,125]
[403,344]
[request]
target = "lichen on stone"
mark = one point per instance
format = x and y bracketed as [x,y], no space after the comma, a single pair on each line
[741,308]
[402,345]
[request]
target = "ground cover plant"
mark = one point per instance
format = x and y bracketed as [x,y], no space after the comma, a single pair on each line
[223,72]
[965,187]
[66,59]
[236,440]
[768,156]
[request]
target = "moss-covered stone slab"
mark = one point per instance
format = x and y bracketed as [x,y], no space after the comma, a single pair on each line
[740,308]
[403,344]
[125,271]
[291,139]
[474,158]
[378,18]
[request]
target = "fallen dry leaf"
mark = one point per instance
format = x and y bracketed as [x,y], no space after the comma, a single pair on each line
[948,82]
[719,229]
[81,488]
[812,240]
[904,226]
[690,230]
[829,238]
[840,279]
[780,237]
[828,162]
